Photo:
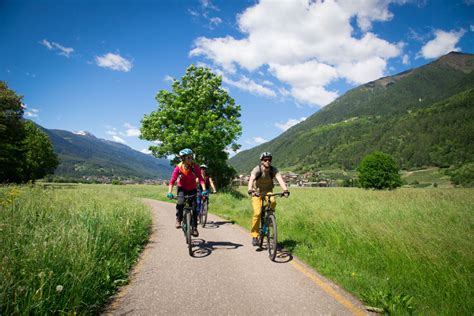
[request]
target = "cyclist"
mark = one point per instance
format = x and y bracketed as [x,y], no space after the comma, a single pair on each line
[185,174]
[261,182]
[209,184]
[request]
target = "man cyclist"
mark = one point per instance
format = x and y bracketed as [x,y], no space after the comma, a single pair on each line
[261,182]
[209,184]
[185,174]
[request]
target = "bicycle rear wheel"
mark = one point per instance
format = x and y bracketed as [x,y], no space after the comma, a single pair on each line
[203,214]
[272,237]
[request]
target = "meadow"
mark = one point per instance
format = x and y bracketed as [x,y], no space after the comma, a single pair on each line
[404,251]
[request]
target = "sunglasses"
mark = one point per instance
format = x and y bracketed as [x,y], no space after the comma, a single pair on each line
[267,160]
[188,157]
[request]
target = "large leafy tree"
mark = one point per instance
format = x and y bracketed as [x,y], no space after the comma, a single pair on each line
[196,114]
[40,158]
[379,171]
[12,133]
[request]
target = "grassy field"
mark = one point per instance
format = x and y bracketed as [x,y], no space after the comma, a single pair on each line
[406,251]
[66,249]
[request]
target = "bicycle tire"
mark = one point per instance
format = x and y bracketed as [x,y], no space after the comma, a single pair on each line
[261,233]
[203,213]
[272,237]
[187,220]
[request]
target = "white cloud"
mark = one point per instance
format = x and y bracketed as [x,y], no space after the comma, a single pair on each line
[146,151]
[306,44]
[32,113]
[168,78]
[249,85]
[118,139]
[406,59]
[215,21]
[114,62]
[60,49]
[443,43]
[131,131]
[289,123]
[472,27]
[256,141]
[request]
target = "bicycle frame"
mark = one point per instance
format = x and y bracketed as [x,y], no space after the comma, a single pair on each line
[188,221]
[268,226]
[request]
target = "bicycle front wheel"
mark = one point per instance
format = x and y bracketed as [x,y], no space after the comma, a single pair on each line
[203,214]
[272,237]
[187,231]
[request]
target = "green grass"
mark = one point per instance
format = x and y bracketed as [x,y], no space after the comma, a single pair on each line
[398,250]
[66,249]
[427,178]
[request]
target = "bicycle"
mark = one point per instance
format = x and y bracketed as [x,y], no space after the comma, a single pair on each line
[203,211]
[268,226]
[187,223]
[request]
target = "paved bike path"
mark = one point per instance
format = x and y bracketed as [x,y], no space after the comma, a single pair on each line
[226,276]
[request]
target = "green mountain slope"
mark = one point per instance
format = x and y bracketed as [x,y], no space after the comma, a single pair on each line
[84,155]
[423,117]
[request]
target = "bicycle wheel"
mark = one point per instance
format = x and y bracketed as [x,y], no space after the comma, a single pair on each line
[263,231]
[272,237]
[203,214]
[187,231]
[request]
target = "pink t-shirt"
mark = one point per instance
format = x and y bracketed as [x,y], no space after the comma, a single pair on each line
[186,178]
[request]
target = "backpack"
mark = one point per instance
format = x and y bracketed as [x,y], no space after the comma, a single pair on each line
[260,172]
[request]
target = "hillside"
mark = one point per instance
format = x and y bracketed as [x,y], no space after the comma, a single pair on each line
[423,117]
[83,155]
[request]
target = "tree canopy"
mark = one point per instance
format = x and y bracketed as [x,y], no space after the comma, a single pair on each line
[26,153]
[379,171]
[196,114]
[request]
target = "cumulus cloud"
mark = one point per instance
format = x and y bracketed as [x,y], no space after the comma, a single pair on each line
[443,43]
[247,84]
[289,123]
[114,62]
[58,48]
[306,44]
[406,59]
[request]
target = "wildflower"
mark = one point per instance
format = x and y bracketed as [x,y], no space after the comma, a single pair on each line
[353,274]
[59,288]
[41,275]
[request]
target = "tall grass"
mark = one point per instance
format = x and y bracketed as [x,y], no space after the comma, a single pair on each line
[408,250]
[66,250]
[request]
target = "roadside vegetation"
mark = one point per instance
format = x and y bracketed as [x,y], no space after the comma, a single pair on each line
[67,248]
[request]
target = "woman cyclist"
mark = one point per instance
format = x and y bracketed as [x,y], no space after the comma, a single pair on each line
[185,174]
[209,184]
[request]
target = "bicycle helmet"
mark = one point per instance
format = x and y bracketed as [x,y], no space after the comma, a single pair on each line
[185,152]
[265,154]
[203,166]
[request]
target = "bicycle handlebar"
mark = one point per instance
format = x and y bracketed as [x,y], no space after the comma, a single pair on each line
[270,194]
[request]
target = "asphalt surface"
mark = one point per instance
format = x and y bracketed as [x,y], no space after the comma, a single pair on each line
[226,275]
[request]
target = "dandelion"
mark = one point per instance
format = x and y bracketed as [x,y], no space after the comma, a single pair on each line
[41,275]
[59,288]
[353,274]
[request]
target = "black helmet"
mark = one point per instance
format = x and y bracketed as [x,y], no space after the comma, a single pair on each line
[265,154]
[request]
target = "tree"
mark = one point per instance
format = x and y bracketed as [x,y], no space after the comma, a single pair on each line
[12,133]
[40,158]
[379,171]
[196,114]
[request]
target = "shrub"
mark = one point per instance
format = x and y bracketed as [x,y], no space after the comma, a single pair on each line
[379,171]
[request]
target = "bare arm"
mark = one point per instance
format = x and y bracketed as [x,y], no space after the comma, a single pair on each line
[212,185]
[281,181]
[251,181]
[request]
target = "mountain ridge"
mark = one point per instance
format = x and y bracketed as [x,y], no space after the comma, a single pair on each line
[85,156]
[349,124]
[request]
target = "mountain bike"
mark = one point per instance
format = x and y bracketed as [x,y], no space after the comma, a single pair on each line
[268,226]
[187,223]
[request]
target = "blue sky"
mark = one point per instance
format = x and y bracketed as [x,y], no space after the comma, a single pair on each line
[96,66]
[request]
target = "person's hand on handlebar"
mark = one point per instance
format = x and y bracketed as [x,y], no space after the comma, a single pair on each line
[251,192]
[286,193]
[170,195]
